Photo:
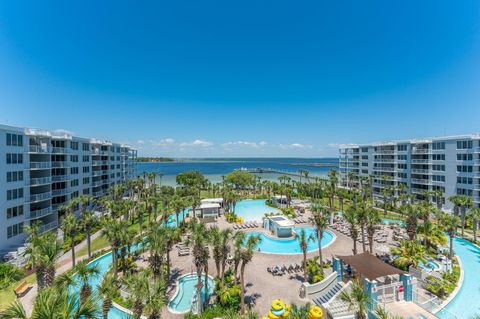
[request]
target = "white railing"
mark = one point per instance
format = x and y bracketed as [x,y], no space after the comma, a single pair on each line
[421,151]
[40,212]
[60,192]
[99,183]
[39,197]
[421,161]
[40,181]
[40,165]
[385,169]
[421,181]
[46,227]
[59,150]
[421,171]
[38,149]
[61,178]
[99,163]
[60,164]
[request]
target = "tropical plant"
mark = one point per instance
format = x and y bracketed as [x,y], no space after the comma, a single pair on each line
[314,270]
[303,241]
[85,273]
[88,220]
[410,253]
[450,223]
[108,291]
[320,222]
[69,226]
[357,299]
[475,215]
[250,244]
[350,216]
[372,219]
[9,274]
[114,232]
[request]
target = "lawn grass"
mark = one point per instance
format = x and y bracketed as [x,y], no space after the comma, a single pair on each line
[96,244]
[7,296]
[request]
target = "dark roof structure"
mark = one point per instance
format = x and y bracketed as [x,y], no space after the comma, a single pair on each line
[369,266]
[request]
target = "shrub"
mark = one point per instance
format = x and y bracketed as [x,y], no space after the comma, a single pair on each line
[9,274]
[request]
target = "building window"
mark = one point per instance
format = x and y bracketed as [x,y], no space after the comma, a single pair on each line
[86,169]
[14,139]
[462,145]
[85,146]
[464,157]
[14,230]
[438,178]
[13,194]
[85,158]
[74,183]
[464,169]
[14,158]
[86,191]
[438,145]
[440,168]
[74,145]
[13,212]
[86,180]
[15,176]
[438,157]
[74,158]
[73,170]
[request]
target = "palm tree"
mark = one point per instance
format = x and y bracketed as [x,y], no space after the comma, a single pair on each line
[107,290]
[53,302]
[410,253]
[157,244]
[475,214]
[171,237]
[138,286]
[303,240]
[412,212]
[450,224]
[461,203]
[372,220]
[246,253]
[42,254]
[114,232]
[198,241]
[69,226]
[357,300]
[88,220]
[350,216]
[86,272]
[320,222]
[155,300]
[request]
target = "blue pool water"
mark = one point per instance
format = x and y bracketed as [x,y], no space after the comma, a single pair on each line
[182,301]
[255,209]
[430,265]
[387,221]
[291,245]
[465,304]
[172,219]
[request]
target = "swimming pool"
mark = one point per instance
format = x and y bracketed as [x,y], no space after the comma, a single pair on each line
[387,221]
[430,265]
[172,219]
[253,209]
[181,302]
[291,245]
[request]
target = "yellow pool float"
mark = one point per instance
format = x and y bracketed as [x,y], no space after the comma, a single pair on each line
[279,310]
[315,313]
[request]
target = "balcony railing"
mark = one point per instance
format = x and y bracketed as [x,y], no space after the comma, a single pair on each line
[46,227]
[60,192]
[40,197]
[421,171]
[98,183]
[61,178]
[40,181]
[384,169]
[40,165]
[421,151]
[38,149]
[382,160]
[60,150]
[476,149]
[419,190]
[421,161]
[40,212]
[59,164]
[421,181]
[98,163]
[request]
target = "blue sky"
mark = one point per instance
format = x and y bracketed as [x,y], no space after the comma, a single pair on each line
[242,78]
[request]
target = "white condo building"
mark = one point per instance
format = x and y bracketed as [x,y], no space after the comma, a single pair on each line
[41,170]
[451,164]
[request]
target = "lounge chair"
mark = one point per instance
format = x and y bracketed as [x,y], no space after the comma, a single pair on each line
[183,252]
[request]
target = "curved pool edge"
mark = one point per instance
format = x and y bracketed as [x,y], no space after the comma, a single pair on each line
[334,237]
[125,310]
[177,291]
[457,289]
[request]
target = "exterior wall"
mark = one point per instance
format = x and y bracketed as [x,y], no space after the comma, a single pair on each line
[54,171]
[422,165]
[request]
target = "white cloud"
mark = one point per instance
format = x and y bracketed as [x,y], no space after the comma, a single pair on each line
[295,146]
[239,144]
[196,143]
[141,142]
[163,142]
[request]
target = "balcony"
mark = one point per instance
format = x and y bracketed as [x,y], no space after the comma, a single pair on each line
[40,181]
[476,187]
[47,227]
[98,194]
[60,192]
[421,171]
[98,183]
[381,160]
[40,212]
[421,181]
[98,163]
[419,190]
[40,165]
[421,161]
[476,162]
[421,151]
[39,149]
[476,149]
[384,169]
[40,197]
[61,178]
[476,199]
[59,164]
[60,150]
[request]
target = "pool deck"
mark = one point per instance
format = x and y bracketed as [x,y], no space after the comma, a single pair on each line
[261,286]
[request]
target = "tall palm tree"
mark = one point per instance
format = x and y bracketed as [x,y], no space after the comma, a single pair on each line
[450,224]
[158,246]
[172,236]
[198,241]
[320,222]
[350,216]
[53,302]
[69,226]
[372,221]
[85,273]
[155,300]
[357,300]
[303,241]
[246,252]
[138,286]
[412,212]
[475,214]
[107,290]
[88,220]
[114,232]
[43,254]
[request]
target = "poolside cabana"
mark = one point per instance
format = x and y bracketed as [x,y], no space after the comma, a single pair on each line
[279,200]
[208,210]
[279,225]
